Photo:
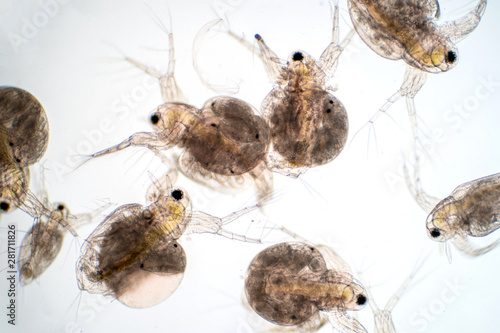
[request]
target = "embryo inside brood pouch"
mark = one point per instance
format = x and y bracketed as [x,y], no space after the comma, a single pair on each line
[24,121]
[230,138]
[153,277]
[270,268]
[308,127]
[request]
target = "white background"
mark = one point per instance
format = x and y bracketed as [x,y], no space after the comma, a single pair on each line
[358,204]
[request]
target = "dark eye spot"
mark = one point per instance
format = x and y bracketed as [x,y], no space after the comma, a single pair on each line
[213,104]
[146,215]
[18,160]
[331,102]
[297,56]
[231,171]
[177,194]
[11,144]
[257,136]
[60,207]
[451,57]
[175,244]
[361,300]
[142,265]
[328,110]
[4,206]
[293,317]
[213,125]
[435,233]
[155,118]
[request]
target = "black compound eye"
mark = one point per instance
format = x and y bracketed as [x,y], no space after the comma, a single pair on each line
[60,207]
[361,300]
[177,194]
[297,56]
[5,206]
[435,233]
[451,57]
[155,118]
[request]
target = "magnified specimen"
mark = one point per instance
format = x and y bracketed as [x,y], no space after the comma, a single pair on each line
[308,124]
[14,180]
[24,133]
[44,240]
[225,142]
[25,124]
[289,284]
[472,209]
[134,256]
[409,30]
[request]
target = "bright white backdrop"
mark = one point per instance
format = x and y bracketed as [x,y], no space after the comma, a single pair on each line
[357,204]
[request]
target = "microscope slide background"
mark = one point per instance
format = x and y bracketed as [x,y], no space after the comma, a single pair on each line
[68,56]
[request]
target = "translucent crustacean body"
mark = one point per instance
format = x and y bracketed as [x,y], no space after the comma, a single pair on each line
[225,142]
[308,124]
[43,242]
[24,133]
[41,245]
[134,256]
[14,180]
[289,284]
[25,123]
[409,30]
[472,209]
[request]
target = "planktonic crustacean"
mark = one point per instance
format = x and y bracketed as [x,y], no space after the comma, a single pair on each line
[134,254]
